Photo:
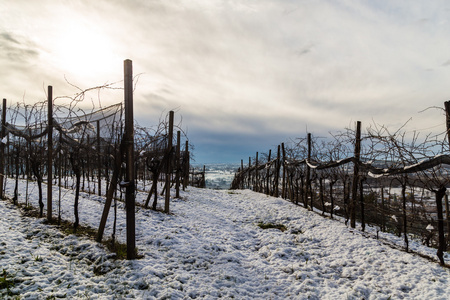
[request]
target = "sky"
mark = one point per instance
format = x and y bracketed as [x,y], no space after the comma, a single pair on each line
[242,76]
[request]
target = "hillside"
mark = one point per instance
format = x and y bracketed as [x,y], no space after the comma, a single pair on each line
[211,246]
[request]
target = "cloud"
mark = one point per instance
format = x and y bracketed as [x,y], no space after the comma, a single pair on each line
[17,49]
[246,69]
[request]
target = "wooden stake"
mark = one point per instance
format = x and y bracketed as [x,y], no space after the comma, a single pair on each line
[169,163]
[256,186]
[283,185]
[177,176]
[268,174]
[355,175]
[99,161]
[50,155]
[2,148]
[129,176]
[308,175]
[277,172]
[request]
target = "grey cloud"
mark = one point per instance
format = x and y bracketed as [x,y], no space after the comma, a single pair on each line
[17,49]
[8,37]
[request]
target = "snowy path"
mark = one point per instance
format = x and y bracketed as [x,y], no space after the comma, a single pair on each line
[211,247]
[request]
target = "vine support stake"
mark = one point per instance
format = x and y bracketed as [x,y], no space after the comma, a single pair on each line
[169,163]
[283,163]
[277,173]
[355,175]
[2,148]
[308,175]
[178,155]
[99,161]
[186,166]
[50,154]
[129,144]
[447,118]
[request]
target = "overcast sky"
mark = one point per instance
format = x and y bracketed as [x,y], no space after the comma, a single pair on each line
[243,75]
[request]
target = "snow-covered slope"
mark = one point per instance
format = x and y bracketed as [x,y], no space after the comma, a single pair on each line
[210,247]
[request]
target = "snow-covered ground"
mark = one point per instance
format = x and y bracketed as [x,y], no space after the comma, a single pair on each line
[209,247]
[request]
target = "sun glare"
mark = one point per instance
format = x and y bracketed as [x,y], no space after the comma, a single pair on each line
[84,50]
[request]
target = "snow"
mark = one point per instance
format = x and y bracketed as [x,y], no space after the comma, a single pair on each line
[211,246]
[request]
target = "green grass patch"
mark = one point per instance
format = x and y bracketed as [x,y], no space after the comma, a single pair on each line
[280,227]
[120,249]
[6,282]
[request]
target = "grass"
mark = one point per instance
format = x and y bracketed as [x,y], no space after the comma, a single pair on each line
[116,247]
[67,228]
[280,227]
[6,283]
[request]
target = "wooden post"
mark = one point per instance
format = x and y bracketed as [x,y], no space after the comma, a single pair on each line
[256,185]
[355,175]
[268,174]
[129,150]
[441,235]
[59,177]
[308,175]
[2,148]
[99,160]
[447,114]
[50,155]
[169,163]
[242,177]
[117,165]
[277,173]
[283,185]
[447,218]
[447,118]
[186,165]
[249,179]
[204,177]
[177,175]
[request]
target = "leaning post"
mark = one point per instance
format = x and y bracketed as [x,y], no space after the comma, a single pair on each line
[129,150]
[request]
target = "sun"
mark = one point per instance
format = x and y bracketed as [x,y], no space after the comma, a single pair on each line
[83,49]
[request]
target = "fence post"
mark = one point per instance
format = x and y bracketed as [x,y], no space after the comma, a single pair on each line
[99,160]
[277,173]
[256,185]
[50,154]
[2,148]
[447,118]
[355,175]
[177,175]
[242,172]
[169,163]
[283,185]
[129,176]
[249,179]
[308,174]
[268,173]
[186,165]
[204,177]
